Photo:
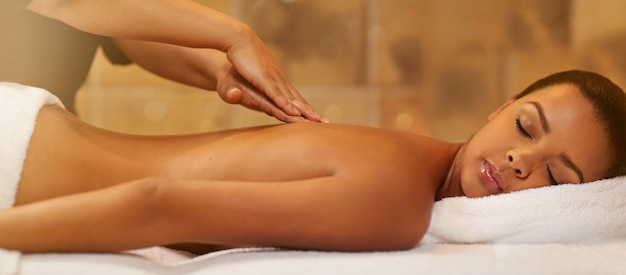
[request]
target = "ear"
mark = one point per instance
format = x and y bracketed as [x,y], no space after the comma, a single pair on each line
[494,113]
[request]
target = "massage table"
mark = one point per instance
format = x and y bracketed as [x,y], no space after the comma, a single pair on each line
[609,258]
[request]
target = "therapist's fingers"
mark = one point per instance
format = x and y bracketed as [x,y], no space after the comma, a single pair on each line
[235,89]
[287,98]
[300,103]
[258,102]
[258,66]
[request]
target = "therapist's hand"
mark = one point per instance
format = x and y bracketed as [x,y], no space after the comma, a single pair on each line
[235,89]
[251,58]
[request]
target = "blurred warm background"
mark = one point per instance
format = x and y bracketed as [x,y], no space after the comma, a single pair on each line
[435,67]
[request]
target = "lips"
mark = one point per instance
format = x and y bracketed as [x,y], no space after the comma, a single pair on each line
[491,177]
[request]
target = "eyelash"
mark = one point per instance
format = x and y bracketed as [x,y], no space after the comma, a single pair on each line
[521,129]
[550,177]
[525,133]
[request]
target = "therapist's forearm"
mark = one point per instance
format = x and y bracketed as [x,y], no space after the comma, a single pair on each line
[181,22]
[196,67]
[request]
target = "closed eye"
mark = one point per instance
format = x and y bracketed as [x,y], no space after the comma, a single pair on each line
[521,129]
[551,177]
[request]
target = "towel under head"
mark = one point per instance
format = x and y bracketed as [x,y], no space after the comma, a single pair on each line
[19,106]
[581,213]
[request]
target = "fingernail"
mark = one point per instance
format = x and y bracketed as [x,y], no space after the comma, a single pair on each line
[324,120]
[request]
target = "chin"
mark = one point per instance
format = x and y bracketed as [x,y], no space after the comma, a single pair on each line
[472,187]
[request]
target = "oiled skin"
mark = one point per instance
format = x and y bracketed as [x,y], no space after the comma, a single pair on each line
[302,185]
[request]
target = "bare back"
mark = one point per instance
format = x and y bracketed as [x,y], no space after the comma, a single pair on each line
[304,185]
[67,156]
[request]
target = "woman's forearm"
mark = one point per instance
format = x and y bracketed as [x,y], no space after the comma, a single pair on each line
[181,22]
[320,213]
[107,220]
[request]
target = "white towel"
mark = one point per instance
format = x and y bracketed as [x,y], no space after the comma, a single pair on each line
[19,106]
[587,213]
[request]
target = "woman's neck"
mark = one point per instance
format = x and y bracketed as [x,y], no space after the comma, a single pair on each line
[451,186]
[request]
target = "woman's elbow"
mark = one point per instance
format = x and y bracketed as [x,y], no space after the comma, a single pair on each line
[144,199]
[155,208]
[384,234]
[400,229]
[401,235]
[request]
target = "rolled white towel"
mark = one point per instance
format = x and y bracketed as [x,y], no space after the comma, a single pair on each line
[19,106]
[588,213]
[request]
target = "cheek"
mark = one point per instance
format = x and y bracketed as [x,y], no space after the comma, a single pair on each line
[536,180]
[492,131]
[490,142]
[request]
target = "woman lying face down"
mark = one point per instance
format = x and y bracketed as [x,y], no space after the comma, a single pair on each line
[302,185]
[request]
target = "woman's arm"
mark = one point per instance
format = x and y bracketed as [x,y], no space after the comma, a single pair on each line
[323,213]
[185,23]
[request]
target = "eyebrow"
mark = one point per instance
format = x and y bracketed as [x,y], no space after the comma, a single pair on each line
[542,116]
[569,163]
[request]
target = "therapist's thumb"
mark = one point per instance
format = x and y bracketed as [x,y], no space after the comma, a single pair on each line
[232,96]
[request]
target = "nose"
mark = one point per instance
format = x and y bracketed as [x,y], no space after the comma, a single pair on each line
[519,161]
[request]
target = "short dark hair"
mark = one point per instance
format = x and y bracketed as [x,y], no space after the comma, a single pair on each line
[609,104]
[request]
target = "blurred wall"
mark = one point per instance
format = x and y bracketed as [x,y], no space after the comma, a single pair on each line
[435,67]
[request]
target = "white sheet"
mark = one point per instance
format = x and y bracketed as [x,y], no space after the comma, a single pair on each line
[424,259]
[9,261]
